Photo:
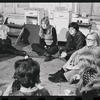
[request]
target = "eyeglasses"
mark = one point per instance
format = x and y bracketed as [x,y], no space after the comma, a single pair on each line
[90,39]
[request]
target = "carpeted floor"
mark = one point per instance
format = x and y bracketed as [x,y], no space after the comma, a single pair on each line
[7,70]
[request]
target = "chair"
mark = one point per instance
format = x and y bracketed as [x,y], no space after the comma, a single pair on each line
[14,29]
[29,34]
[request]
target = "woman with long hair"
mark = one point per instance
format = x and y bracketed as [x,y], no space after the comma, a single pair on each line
[48,40]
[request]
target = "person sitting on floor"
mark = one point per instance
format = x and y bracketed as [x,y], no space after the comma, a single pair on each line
[27,80]
[89,84]
[5,41]
[75,41]
[92,45]
[85,58]
[48,40]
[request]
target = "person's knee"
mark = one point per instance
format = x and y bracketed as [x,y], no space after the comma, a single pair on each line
[53,50]
[34,45]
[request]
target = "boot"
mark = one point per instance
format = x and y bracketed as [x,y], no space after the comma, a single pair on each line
[61,71]
[48,58]
[46,54]
[21,53]
[57,79]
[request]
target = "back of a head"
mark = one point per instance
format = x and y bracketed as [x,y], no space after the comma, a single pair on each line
[27,72]
[88,55]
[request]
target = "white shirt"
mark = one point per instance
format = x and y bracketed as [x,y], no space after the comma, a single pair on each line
[3,31]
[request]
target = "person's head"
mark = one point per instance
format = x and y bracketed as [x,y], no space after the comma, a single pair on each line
[73,28]
[27,72]
[92,39]
[45,22]
[86,58]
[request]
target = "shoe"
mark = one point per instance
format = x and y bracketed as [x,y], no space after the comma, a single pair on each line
[58,72]
[46,54]
[21,53]
[48,58]
[57,79]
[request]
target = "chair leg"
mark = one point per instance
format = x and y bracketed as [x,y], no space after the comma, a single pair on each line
[17,40]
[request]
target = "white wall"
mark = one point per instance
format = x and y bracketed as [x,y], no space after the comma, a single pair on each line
[51,6]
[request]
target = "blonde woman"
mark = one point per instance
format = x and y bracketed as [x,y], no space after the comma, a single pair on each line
[48,40]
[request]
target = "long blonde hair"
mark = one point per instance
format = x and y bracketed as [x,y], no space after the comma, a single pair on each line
[96,36]
[46,21]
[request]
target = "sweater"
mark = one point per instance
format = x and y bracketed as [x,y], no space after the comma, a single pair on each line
[49,38]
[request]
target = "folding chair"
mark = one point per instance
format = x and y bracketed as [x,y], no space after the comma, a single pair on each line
[29,34]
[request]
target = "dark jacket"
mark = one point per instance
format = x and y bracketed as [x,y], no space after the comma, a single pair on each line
[74,43]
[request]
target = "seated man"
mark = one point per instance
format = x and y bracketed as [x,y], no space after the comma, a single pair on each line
[5,42]
[75,41]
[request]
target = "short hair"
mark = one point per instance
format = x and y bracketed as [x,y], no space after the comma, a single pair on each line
[27,72]
[74,25]
[96,36]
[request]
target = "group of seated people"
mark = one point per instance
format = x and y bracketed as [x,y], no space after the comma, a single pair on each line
[81,53]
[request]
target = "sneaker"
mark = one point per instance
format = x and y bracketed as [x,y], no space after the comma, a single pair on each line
[46,54]
[48,58]
[58,79]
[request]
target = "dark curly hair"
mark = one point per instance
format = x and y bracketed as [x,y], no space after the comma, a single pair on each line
[74,25]
[26,73]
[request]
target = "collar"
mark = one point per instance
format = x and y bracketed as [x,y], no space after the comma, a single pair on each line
[37,86]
